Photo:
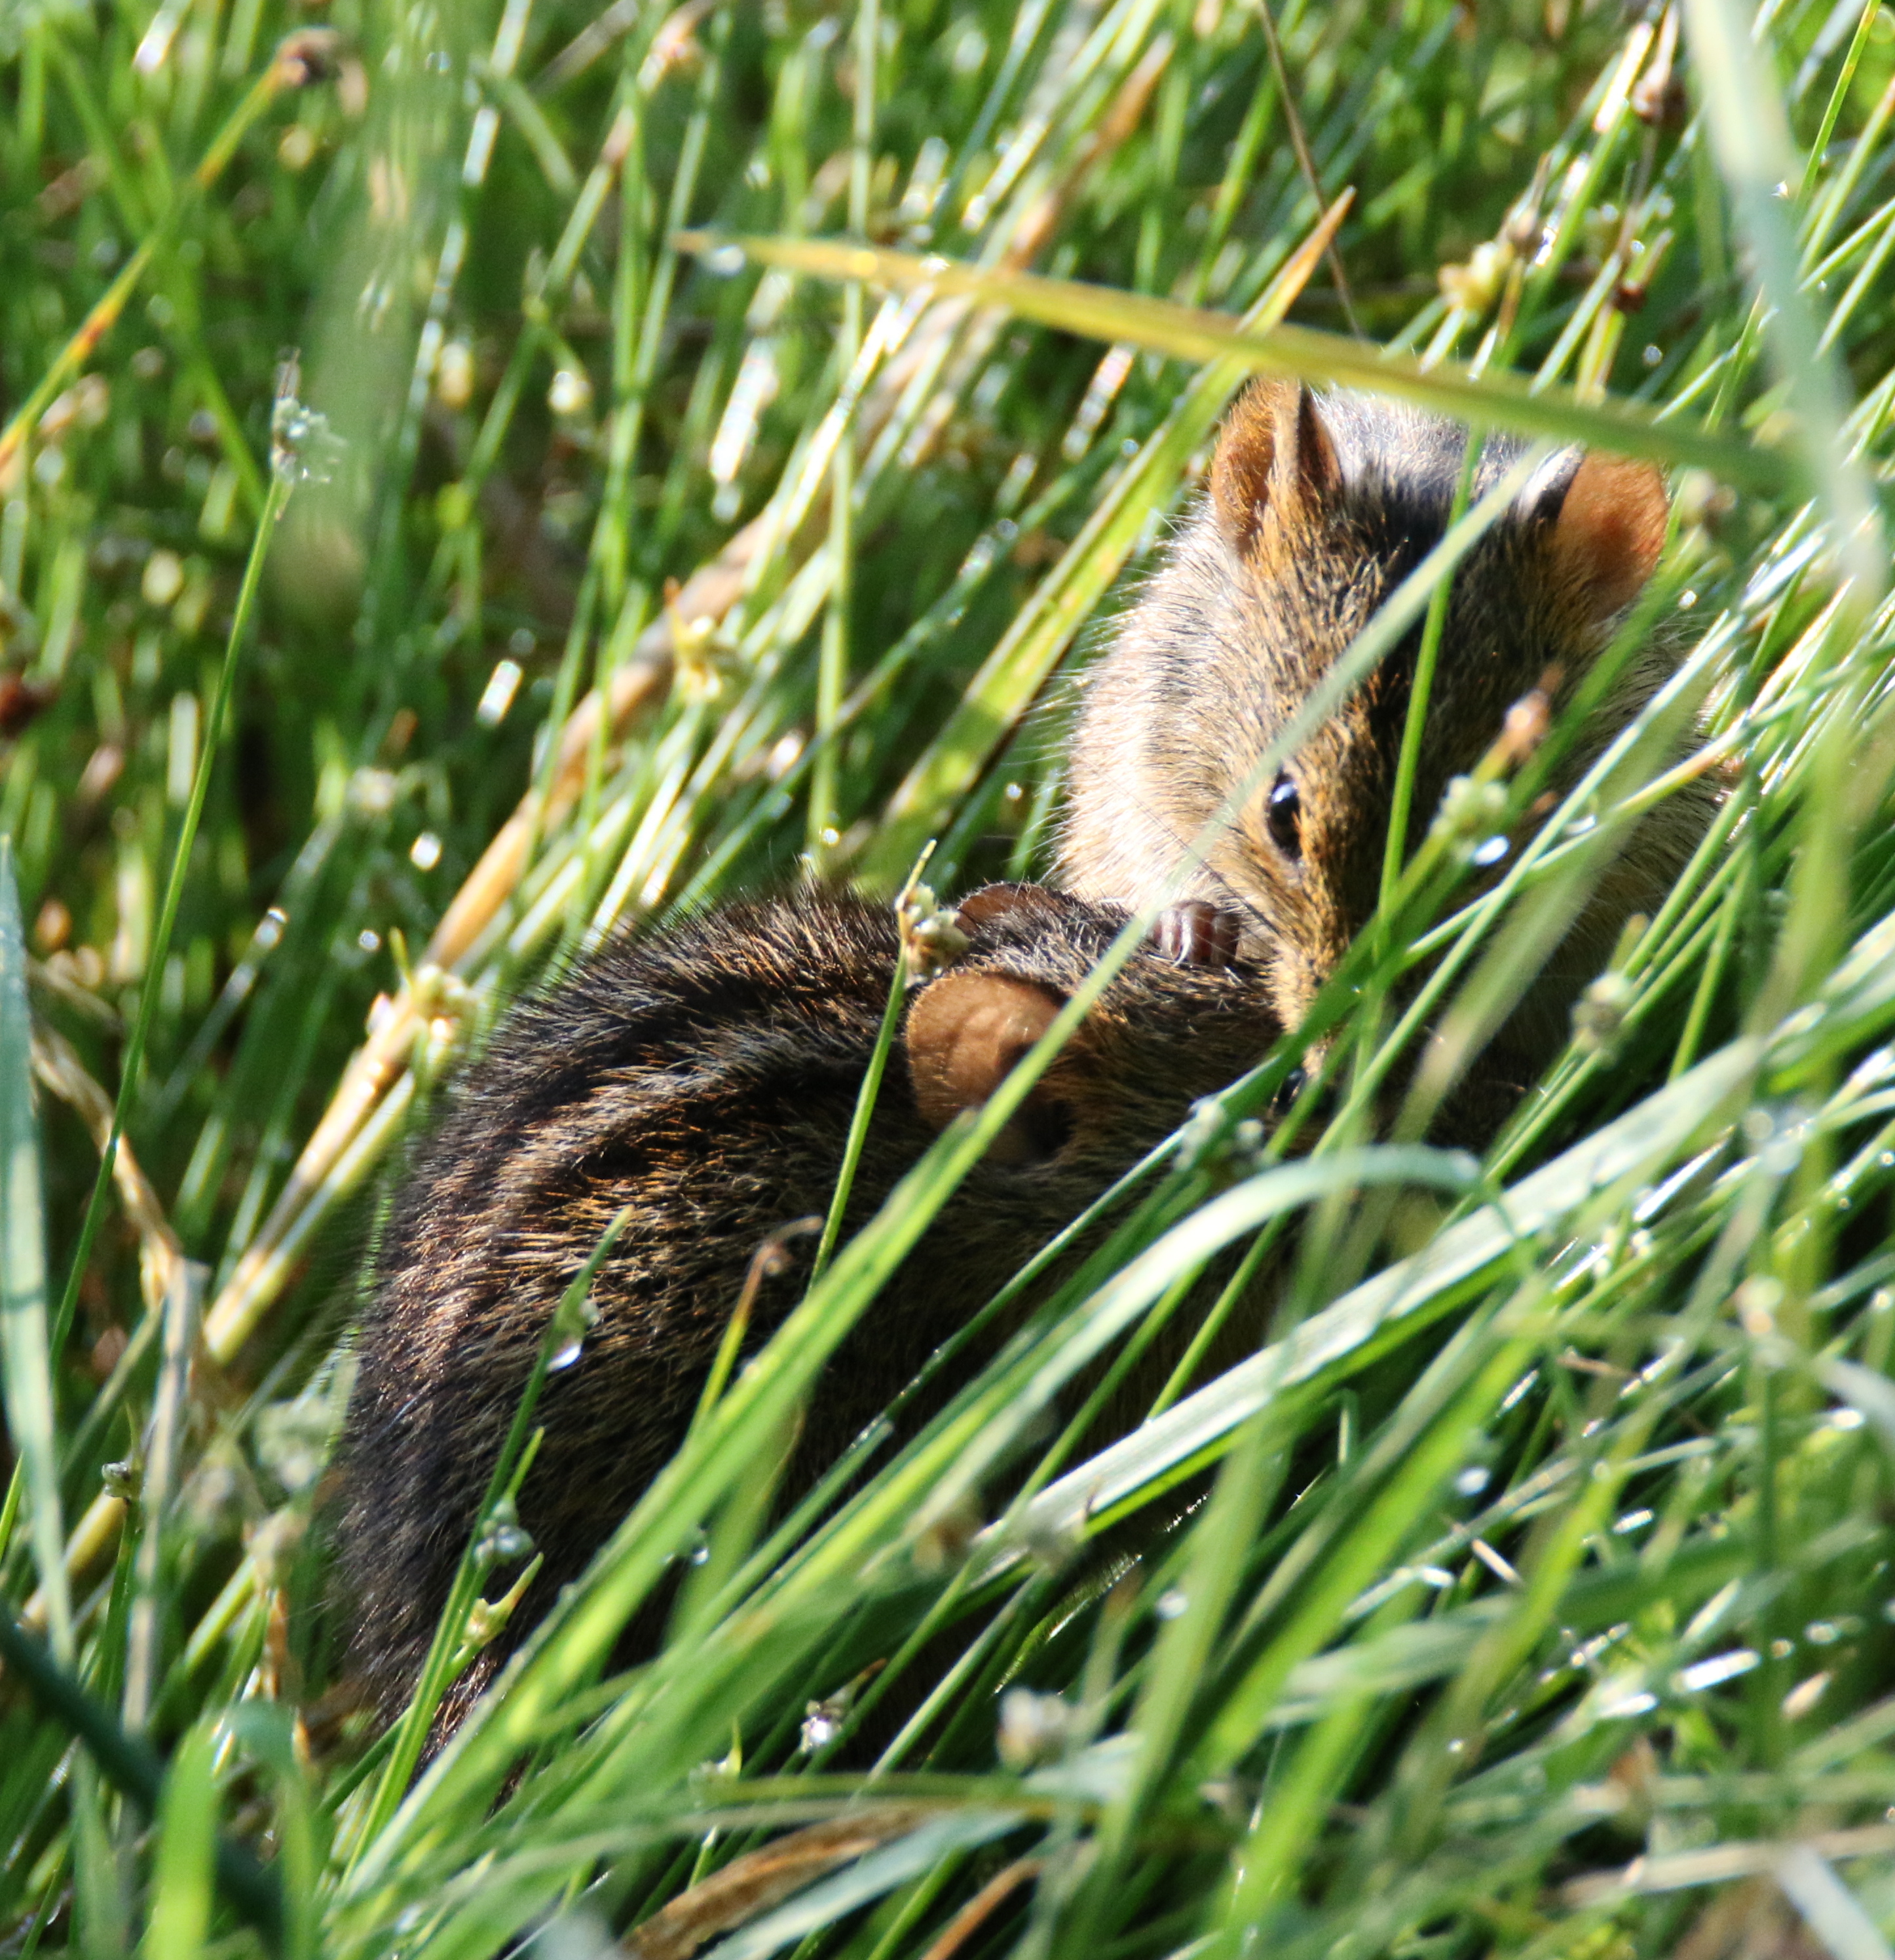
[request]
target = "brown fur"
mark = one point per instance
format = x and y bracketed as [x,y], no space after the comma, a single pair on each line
[1318,506]
[707,1079]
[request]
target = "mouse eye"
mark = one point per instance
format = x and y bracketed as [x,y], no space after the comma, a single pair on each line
[1283,815]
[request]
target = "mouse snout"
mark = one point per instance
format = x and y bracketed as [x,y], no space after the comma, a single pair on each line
[1297,977]
[1292,1089]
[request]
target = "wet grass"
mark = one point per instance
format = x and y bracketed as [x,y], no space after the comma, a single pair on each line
[1541,1601]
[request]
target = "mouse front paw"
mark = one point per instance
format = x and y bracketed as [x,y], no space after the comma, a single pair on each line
[1196,933]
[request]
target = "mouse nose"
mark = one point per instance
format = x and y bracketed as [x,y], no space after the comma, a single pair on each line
[1295,981]
[1291,1087]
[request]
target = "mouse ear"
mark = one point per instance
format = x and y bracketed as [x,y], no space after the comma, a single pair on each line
[964,1034]
[994,902]
[1274,454]
[1609,518]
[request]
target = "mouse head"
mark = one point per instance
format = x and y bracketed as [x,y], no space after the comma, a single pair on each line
[1318,506]
[1160,1036]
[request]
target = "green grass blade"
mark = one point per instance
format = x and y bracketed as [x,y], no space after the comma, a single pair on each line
[180,1912]
[1637,1145]
[1752,142]
[1189,333]
[26,1349]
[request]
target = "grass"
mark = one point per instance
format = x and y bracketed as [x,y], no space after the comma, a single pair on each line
[1541,1602]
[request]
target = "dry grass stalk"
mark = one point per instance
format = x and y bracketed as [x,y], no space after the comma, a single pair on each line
[56,1063]
[750,1885]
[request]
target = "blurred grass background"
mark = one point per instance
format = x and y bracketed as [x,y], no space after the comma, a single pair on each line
[615,577]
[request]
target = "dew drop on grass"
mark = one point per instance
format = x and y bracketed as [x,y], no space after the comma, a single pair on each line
[570,393]
[1034,1729]
[498,697]
[1640,1702]
[1719,1669]
[566,1357]
[1519,1389]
